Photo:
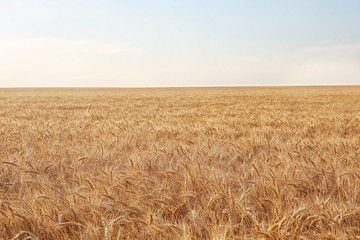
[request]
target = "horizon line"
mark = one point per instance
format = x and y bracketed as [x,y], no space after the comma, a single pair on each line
[199,86]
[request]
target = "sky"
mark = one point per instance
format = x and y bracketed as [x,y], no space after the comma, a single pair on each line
[166,43]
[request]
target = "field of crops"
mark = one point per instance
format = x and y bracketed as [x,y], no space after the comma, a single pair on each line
[186,163]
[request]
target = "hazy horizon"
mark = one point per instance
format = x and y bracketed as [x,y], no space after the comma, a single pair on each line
[179,43]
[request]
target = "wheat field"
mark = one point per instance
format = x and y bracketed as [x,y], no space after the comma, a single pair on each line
[180,163]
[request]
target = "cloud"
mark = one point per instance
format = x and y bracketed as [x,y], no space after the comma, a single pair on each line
[340,49]
[250,59]
[58,46]
[328,63]
[68,62]
[324,64]
[59,62]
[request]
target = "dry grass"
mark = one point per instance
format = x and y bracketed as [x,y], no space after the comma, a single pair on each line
[211,163]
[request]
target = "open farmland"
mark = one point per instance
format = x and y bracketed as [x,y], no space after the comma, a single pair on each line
[187,163]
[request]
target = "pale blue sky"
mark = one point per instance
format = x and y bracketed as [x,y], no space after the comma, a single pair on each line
[179,43]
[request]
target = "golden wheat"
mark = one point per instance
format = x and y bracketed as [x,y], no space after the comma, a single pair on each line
[190,163]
